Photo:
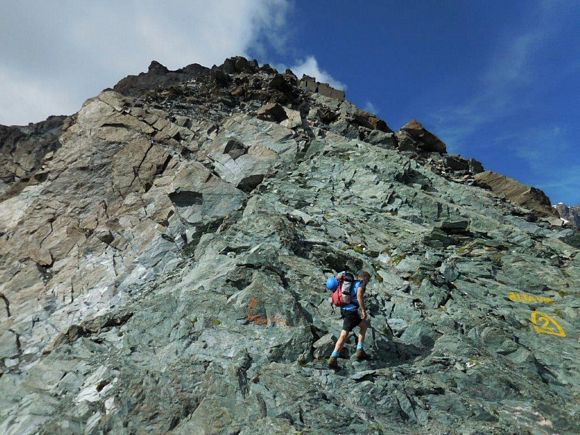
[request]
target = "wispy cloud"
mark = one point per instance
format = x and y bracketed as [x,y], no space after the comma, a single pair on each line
[544,153]
[511,64]
[540,147]
[549,151]
[310,67]
[370,107]
[563,185]
[550,155]
[509,71]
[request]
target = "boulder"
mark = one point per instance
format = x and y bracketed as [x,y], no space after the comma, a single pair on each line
[282,83]
[370,121]
[382,139]
[426,140]
[293,118]
[330,92]
[405,142]
[324,346]
[308,83]
[234,148]
[326,115]
[239,64]
[457,163]
[272,112]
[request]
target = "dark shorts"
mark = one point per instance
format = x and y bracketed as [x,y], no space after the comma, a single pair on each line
[351,319]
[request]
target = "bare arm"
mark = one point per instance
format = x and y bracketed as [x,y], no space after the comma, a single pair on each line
[361,302]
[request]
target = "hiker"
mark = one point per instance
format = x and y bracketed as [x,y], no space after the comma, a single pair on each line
[352,319]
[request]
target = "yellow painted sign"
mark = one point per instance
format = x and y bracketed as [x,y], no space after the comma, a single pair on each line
[529,299]
[544,324]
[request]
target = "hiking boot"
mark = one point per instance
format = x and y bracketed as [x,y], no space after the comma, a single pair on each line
[332,363]
[361,355]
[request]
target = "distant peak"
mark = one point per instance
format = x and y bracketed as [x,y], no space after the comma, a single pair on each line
[156,67]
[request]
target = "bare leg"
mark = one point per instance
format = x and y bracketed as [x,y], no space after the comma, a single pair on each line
[362,331]
[341,340]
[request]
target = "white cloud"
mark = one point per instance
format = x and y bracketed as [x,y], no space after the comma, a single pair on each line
[309,66]
[27,99]
[370,107]
[549,151]
[507,74]
[540,147]
[53,58]
[510,64]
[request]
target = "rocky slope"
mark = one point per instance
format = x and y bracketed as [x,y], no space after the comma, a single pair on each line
[163,255]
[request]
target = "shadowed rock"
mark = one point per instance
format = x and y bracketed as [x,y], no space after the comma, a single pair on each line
[158,77]
[271,112]
[23,148]
[186,198]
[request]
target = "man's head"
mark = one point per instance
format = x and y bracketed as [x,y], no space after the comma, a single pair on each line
[364,276]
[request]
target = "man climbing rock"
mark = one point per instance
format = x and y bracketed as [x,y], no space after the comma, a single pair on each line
[351,319]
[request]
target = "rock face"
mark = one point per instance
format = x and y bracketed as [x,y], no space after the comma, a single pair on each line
[570,214]
[22,149]
[162,269]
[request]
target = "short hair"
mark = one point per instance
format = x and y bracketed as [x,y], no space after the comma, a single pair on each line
[365,275]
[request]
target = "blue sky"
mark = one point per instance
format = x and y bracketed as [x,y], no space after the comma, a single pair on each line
[498,81]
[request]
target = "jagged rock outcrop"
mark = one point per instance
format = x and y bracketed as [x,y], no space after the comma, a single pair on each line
[528,197]
[162,270]
[158,76]
[310,84]
[413,135]
[570,214]
[23,148]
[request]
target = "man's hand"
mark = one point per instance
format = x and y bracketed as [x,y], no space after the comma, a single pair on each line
[363,314]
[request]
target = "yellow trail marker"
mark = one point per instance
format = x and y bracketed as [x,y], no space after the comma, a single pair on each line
[529,299]
[544,324]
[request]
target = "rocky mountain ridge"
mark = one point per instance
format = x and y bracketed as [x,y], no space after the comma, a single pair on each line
[163,252]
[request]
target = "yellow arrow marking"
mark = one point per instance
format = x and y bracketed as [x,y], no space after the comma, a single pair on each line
[544,324]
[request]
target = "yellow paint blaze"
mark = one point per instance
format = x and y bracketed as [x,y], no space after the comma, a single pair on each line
[527,298]
[544,324]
